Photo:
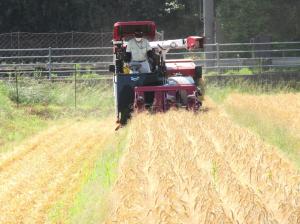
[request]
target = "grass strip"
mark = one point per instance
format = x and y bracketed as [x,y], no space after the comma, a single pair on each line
[15,123]
[88,205]
[43,102]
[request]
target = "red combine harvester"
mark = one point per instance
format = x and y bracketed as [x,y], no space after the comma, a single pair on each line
[171,83]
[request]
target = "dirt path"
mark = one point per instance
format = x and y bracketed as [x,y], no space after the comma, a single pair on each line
[186,168]
[36,174]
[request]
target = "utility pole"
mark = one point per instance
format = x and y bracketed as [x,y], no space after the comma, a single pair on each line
[209,30]
[200,10]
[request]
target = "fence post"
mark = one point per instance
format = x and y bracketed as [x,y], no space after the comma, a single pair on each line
[11,40]
[18,40]
[72,39]
[260,65]
[252,47]
[17,88]
[49,62]
[75,87]
[102,39]
[218,57]
[56,40]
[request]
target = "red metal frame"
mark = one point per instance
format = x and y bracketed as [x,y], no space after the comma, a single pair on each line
[165,88]
[128,29]
[185,67]
[161,102]
[194,42]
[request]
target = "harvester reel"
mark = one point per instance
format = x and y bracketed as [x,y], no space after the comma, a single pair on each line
[171,102]
[140,104]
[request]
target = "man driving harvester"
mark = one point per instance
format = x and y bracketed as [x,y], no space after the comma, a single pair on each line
[137,53]
[154,84]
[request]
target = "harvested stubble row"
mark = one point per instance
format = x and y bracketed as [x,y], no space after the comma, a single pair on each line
[186,168]
[35,175]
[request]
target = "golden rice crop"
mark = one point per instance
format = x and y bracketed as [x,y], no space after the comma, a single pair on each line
[37,173]
[283,109]
[179,167]
[187,168]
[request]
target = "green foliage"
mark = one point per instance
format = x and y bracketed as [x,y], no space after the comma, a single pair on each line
[95,15]
[243,71]
[220,92]
[212,73]
[6,107]
[16,124]
[94,97]
[241,20]
[43,101]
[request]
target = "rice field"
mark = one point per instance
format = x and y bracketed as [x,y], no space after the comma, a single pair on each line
[275,118]
[177,167]
[186,168]
[283,109]
[35,175]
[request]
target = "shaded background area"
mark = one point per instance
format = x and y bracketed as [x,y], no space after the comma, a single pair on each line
[237,21]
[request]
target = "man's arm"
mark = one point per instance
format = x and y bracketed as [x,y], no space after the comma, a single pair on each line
[148,47]
[127,57]
[150,53]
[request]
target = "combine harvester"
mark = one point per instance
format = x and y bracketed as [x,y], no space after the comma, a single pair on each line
[171,83]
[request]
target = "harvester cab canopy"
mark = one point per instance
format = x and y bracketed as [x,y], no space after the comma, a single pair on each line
[127,29]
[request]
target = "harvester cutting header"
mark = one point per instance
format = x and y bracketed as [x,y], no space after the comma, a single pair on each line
[144,79]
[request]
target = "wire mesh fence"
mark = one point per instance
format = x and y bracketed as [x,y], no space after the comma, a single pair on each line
[83,95]
[77,95]
[61,74]
[21,40]
[234,58]
[229,58]
[56,53]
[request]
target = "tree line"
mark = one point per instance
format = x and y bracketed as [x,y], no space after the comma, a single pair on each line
[237,20]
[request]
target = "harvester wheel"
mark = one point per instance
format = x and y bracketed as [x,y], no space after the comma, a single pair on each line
[193,103]
[125,115]
[171,102]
